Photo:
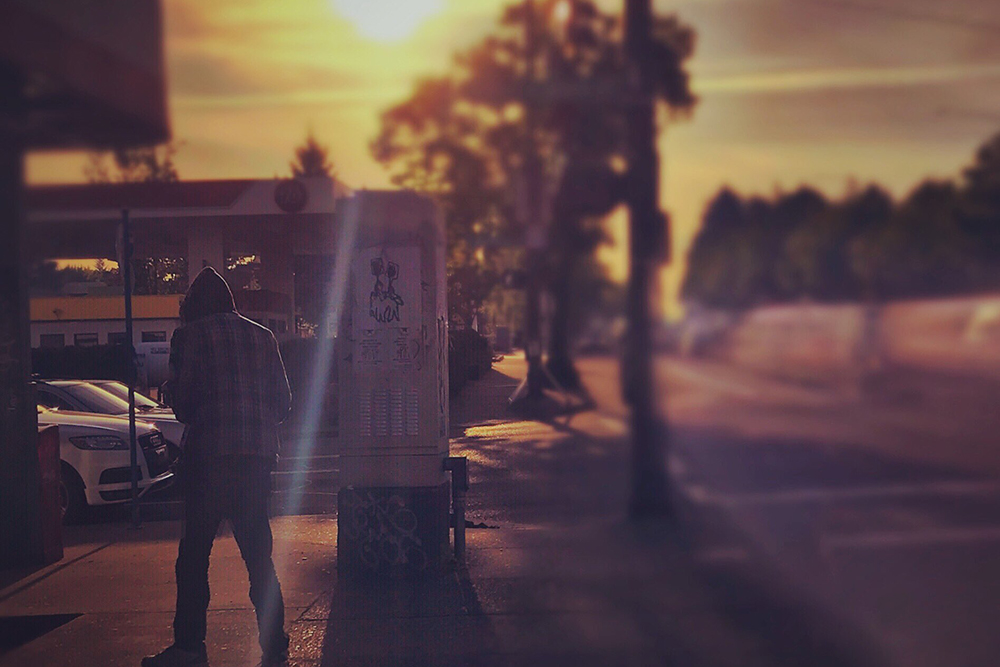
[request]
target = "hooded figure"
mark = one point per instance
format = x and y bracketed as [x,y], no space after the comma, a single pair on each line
[209,294]
[229,387]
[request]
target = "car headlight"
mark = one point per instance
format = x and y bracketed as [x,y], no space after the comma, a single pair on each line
[100,442]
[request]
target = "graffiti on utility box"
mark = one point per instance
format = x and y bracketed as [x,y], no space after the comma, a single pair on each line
[387,306]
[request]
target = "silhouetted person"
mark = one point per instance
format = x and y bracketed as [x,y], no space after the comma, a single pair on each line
[230,389]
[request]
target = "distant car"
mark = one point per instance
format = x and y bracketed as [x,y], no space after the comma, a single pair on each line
[109,397]
[96,461]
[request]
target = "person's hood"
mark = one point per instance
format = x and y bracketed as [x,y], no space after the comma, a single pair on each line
[209,294]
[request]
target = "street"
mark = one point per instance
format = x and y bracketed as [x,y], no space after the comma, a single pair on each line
[883,505]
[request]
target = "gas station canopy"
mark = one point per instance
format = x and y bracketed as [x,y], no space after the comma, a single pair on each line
[89,74]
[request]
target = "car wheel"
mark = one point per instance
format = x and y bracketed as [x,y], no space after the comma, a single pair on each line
[72,501]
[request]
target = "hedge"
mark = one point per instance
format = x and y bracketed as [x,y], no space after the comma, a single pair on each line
[469,357]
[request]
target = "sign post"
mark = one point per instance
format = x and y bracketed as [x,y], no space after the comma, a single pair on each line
[393,377]
[125,265]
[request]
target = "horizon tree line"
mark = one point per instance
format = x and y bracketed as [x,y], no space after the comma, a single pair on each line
[943,238]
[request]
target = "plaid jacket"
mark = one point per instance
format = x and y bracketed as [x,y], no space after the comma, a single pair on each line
[230,387]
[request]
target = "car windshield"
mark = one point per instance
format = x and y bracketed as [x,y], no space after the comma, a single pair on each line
[96,399]
[120,389]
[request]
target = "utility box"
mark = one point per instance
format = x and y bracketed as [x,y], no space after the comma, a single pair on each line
[393,378]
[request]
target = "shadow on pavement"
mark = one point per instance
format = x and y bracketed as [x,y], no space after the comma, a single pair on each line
[17,631]
[567,580]
[10,576]
[882,550]
[406,623]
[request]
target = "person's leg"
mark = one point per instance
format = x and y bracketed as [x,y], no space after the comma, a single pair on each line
[253,536]
[202,515]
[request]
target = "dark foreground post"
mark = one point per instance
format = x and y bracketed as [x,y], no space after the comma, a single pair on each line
[123,104]
[647,238]
[393,378]
[19,494]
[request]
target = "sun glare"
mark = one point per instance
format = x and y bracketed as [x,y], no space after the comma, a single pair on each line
[387,20]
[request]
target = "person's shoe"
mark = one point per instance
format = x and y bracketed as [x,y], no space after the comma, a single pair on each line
[173,656]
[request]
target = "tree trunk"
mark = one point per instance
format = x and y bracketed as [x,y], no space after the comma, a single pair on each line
[560,362]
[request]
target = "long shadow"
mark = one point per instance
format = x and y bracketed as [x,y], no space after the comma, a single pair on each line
[784,498]
[10,576]
[570,478]
[741,463]
[407,623]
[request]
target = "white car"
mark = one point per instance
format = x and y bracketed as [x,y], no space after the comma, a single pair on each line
[96,461]
[149,410]
[109,397]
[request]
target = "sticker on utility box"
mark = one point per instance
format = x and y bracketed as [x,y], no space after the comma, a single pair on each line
[387,305]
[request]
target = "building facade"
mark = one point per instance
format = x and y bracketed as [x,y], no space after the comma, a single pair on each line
[273,240]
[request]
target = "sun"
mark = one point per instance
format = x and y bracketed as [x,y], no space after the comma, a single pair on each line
[387,20]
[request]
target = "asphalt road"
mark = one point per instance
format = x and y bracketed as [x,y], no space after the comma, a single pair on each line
[881,503]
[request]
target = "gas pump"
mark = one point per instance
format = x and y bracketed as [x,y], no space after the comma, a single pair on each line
[393,387]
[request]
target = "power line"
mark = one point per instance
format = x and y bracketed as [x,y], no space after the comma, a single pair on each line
[913,15]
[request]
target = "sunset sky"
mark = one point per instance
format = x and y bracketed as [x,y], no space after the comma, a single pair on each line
[793,91]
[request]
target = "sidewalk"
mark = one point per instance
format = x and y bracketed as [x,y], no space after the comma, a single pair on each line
[562,579]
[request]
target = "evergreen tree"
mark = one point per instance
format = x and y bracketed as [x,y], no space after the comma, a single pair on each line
[312,159]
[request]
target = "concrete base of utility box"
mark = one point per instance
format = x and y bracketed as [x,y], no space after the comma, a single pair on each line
[394,531]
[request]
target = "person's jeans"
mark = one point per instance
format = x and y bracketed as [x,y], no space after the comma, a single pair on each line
[238,489]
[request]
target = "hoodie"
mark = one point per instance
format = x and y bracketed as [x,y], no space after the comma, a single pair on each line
[209,294]
[229,384]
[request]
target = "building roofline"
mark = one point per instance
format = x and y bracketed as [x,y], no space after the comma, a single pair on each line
[105,201]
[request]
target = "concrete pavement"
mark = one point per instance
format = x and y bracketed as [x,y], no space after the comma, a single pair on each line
[561,579]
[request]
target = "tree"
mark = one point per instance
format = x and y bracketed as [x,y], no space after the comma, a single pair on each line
[312,159]
[944,238]
[981,194]
[160,275]
[706,280]
[462,137]
[920,249]
[133,165]
[729,259]
[155,274]
[819,250]
[789,213]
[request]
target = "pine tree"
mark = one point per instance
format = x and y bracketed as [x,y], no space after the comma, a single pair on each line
[312,159]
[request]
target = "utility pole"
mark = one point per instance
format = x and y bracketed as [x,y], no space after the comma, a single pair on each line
[647,239]
[20,507]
